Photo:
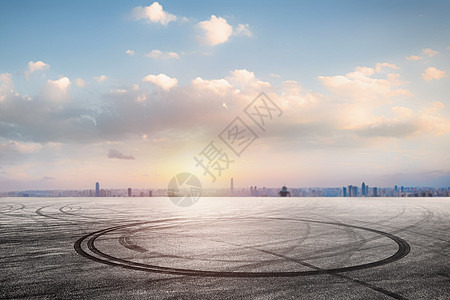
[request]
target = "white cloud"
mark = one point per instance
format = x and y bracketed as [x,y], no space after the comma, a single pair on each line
[379,67]
[162,80]
[360,86]
[432,121]
[101,78]
[61,84]
[217,86]
[293,95]
[414,57]
[158,54]
[217,30]
[80,82]
[153,13]
[6,85]
[432,73]
[242,30]
[245,79]
[36,66]
[130,52]
[430,52]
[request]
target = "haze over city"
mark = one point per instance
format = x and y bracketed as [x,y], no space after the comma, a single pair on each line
[129,92]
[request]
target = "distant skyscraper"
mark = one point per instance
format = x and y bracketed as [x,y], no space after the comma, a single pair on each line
[355,191]
[97,189]
[350,191]
[344,191]
[375,192]
[363,189]
[129,192]
[402,189]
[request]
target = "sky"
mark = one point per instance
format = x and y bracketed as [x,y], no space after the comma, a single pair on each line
[131,93]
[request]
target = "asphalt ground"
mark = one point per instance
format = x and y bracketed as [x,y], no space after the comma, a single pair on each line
[225,248]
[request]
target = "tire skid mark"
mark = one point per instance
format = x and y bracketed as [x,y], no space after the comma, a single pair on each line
[71,211]
[89,239]
[40,213]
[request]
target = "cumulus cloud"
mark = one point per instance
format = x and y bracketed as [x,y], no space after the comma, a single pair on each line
[245,79]
[113,153]
[240,81]
[101,78]
[130,52]
[162,80]
[36,66]
[217,30]
[158,54]
[414,57]
[217,86]
[61,84]
[361,86]
[432,73]
[430,52]
[380,67]
[153,13]
[6,85]
[242,30]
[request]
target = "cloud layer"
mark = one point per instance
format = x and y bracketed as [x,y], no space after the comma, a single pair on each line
[113,153]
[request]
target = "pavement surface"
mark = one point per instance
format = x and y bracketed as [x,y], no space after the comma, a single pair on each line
[225,248]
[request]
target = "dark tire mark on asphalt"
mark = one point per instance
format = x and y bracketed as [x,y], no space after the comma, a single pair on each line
[403,250]
[40,213]
[71,211]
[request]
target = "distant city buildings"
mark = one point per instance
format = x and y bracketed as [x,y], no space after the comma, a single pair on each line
[97,189]
[252,191]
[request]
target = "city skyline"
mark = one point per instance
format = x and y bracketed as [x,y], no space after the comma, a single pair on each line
[128,93]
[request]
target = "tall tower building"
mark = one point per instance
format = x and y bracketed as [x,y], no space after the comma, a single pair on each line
[355,191]
[344,191]
[129,192]
[97,189]
[350,191]
[363,189]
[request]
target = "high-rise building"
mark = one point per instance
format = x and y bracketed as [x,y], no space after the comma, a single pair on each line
[97,189]
[129,192]
[363,189]
[375,192]
[344,191]
[350,191]
[355,191]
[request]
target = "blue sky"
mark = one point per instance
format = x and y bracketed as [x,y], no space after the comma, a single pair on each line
[363,84]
